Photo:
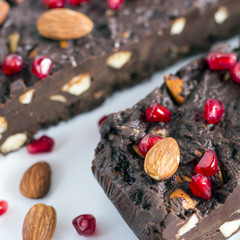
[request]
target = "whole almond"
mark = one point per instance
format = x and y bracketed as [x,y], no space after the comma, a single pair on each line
[36,180]
[39,223]
[4,10]
[162,160]
[64,24]
[175,87]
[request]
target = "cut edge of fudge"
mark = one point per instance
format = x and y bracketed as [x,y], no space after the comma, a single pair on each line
[147,205]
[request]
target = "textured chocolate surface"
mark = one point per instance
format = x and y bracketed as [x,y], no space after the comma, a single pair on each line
[142,28]
[144,203]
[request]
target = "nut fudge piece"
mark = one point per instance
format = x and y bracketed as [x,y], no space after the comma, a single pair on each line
[161,196]
[123,48]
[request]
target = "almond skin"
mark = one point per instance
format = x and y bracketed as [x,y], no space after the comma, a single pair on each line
[39,223]
[36,180]
[188,202]
[64,24]
[162,160]
[4,10]
[175,87]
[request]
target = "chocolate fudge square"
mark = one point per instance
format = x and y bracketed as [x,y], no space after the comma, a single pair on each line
[168,209]
[124,48]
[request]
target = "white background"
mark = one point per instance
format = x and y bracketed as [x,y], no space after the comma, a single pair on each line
[74,190]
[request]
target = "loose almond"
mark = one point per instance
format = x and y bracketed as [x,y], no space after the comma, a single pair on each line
[4,10]
[188,202]
[162,160]
[36,180]
[39,223]
[175,86]
[64,24]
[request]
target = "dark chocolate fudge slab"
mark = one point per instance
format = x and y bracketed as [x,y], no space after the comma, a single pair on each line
[145,204]
[124,48]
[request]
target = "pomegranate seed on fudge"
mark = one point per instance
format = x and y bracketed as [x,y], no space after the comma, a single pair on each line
[221,61]
[213,111]
[158,113]
[54,3]
[208,165]
[41,66]
[12,64]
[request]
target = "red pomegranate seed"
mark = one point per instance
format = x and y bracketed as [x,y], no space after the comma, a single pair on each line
[147,142]
[213,111]
[41,145]
[221,61]
[78,2]
[3,207]
[85,224]
[104,118]
[115,4]
[41,66]
[12,64]
[158,113]
[201,186]
[54,3]
[208,165]
[235,72]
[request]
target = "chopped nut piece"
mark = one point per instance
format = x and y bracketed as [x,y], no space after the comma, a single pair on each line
[63,44]
[159,132]
[188,202]
[14,142]
[221,15]
[3,125]
[178,26]
[33,53]
[26,98]
[162,159]
[58,98]
[181,179]
[192,222]
[13,40]
[78,85]
[119,59]
[229,228]
[136,149]
[175,86]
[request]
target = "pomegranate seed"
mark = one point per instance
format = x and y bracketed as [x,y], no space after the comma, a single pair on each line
[85,224]
[41,145]
[12,64]
[78,2]
[213,111]
[158,113]
[104,118]
[115,4]
[208,165]
[235,72]
[41,66]
[221,61]
[3,207]
[201,187]
[54,3]
[147,142]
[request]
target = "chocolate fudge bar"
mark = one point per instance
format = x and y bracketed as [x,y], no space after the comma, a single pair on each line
[124,48]
[168,209]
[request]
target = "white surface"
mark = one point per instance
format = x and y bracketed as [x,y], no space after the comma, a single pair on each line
[74,190]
